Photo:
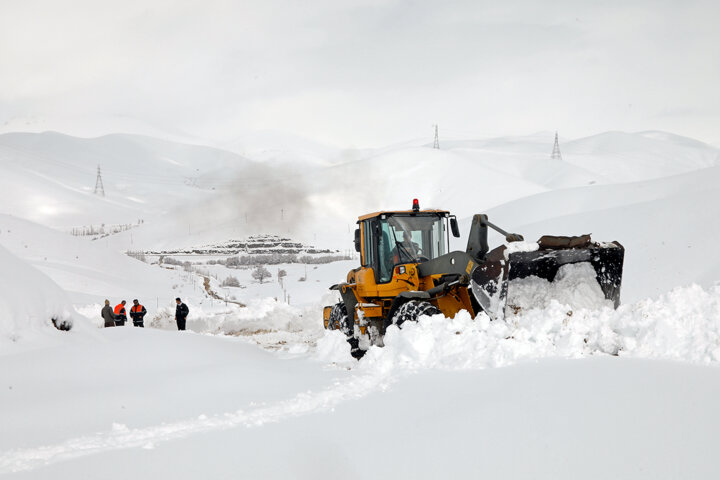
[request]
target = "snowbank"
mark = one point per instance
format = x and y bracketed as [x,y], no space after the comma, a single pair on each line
[683,324]
[260,315]
[333,348]
[29,304]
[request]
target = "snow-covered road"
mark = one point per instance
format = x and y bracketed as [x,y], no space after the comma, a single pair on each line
[140,394]
[592,418]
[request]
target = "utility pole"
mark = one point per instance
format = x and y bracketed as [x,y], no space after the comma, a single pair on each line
[555,155]
[98,184]
[436,143]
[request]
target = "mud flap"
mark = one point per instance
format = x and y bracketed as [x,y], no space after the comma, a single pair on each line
[490,279]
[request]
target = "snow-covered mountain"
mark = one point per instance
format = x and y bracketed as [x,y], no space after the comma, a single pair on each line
[50,178]
[188,196]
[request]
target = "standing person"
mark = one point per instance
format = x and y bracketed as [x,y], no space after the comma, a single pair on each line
[137,312]
[107,314]
[181,313]
[120,314]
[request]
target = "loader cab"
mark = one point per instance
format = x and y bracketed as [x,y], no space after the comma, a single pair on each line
[389,239]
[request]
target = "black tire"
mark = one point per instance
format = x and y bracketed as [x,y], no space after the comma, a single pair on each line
[339,320]
[411,310]
[355,349]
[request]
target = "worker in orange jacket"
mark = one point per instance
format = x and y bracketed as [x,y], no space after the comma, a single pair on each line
[120,315]
[137,312]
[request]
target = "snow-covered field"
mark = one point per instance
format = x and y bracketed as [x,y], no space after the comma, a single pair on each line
[262,391]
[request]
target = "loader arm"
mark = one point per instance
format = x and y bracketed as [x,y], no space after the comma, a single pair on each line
[477,245]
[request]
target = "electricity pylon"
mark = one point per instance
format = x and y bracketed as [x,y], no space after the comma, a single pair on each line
[555,155]
[98,184]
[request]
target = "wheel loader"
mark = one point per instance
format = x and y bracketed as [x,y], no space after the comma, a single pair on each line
[406,270]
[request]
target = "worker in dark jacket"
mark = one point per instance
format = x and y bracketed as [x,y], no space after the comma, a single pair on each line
[137,312]
[107,314]
[120,314]
[181,313]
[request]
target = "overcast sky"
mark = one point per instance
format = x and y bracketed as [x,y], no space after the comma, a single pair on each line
[360,73]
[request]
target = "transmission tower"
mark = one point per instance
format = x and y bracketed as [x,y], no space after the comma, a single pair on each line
[98,184]
[555,155]
[436,143]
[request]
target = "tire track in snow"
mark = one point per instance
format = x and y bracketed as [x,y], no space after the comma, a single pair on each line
[122,437]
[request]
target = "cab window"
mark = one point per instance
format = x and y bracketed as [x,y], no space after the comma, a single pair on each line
[408,239]
[368,250]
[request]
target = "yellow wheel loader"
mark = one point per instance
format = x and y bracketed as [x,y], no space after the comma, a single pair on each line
[406,270]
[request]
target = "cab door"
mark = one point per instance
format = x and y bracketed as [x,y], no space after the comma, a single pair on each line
[365,276]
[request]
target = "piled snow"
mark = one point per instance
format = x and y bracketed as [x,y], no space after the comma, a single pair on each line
[681,325]
[29,301]
[261,315]
[333,348]
[513,247]
[574,284]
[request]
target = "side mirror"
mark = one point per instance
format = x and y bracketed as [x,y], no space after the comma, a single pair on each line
[357,239]
[454,227]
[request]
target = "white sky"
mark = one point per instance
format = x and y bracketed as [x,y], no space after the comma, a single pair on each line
[360,73]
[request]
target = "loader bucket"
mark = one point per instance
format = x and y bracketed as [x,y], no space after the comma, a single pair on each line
[492,279]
